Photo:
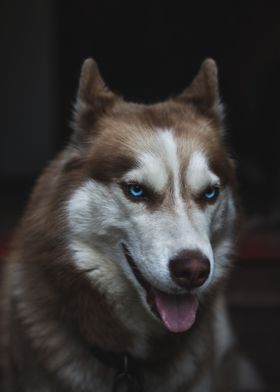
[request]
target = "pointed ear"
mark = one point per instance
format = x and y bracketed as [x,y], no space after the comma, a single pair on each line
[204,90]
[93,98]
[92,88]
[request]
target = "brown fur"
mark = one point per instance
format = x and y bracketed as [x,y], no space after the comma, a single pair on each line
[61,315]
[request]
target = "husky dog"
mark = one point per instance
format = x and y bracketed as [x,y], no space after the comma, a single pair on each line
[116,275]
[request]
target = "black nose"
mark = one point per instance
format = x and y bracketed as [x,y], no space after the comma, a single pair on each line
[189,269]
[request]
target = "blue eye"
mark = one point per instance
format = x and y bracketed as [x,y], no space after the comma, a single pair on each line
[211,193]
[135,190]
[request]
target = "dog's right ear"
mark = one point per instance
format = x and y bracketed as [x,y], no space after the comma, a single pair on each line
[93,100]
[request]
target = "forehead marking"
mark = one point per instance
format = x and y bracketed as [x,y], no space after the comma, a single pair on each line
[170,152]
[151,172]
[157,163]
[199,175]
[168,147]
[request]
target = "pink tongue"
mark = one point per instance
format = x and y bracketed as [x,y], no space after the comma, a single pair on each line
[178,313]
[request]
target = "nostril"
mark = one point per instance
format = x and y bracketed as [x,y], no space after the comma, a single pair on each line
[180,270]
[189,269]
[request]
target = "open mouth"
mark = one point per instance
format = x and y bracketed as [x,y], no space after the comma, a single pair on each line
[177,312]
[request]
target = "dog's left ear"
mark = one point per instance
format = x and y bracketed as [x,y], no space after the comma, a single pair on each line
[203,92]
[94,99]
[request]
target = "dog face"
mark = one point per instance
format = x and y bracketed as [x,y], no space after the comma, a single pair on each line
[157,206]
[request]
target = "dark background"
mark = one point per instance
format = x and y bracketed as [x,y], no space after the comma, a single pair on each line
[148,51]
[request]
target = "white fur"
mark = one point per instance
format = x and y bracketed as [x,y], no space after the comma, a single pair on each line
[169,152]
[158,163]
[151,172]
[199,176]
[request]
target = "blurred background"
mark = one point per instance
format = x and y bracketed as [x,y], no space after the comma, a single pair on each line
[148,51]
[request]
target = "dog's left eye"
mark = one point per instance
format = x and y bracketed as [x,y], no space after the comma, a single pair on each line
[135,190]
[211,193]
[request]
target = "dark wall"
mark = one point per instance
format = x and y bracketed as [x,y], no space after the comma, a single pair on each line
[150,50]
[27,91]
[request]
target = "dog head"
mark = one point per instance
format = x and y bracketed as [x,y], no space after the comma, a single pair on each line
[157,208]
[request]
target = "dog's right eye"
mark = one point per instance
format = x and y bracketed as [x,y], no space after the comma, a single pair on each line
[135,190]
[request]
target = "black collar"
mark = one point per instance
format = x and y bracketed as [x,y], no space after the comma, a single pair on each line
[127,377]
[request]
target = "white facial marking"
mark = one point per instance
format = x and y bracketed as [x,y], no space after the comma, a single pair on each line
[169,152]
[151,172]
[157,164]
[199,175]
